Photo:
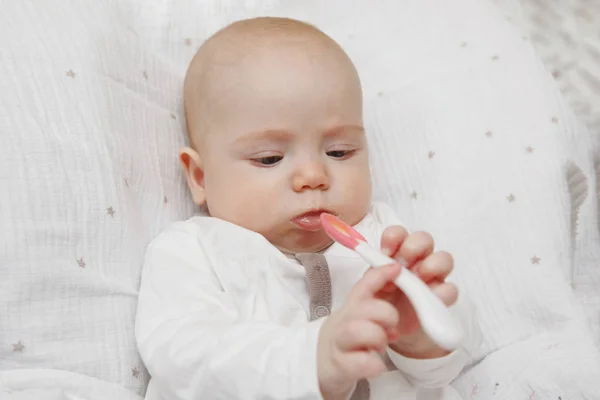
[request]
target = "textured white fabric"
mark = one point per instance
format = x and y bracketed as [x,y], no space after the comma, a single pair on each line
[40,384]
[469,138]
[563,36]
[566,35]
[88,157]
[223,314]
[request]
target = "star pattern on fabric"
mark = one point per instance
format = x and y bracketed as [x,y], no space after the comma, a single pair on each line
[80,262]
[70,73]
[489,134]
[554,120]
[414,195]
[529,149]
[110,211]
[135,372]
[18,347]
[535,260]
[495,57]
[431,154]
[511,198]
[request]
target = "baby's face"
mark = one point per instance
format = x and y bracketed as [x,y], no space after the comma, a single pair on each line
[286,142]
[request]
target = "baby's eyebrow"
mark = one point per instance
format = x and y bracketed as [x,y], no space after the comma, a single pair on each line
[345,129]
[282,135]
[268,134]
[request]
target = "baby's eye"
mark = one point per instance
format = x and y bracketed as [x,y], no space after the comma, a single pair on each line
[270,160]
[339,153]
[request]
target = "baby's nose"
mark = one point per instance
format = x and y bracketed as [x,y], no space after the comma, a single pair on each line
[311,176]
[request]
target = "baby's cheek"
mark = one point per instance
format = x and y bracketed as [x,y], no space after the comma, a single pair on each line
[357,201]
[251,210]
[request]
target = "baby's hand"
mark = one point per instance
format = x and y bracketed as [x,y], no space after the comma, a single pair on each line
[416,251]
[350,338]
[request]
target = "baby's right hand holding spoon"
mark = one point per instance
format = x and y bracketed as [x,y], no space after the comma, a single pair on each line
[351,338]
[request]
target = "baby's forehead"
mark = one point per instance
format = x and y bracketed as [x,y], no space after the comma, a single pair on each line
[247,44]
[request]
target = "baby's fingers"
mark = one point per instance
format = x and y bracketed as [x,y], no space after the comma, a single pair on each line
[379,311]
[415,247]
[373,281]
[361,335]
[361,364]
[392,239]
[447,292]
[437,266]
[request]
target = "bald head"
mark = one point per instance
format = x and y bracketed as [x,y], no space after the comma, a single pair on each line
[274,114]
[214,70]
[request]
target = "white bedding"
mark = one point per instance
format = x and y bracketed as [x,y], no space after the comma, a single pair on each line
[566,36]
[470,141]
[40,384]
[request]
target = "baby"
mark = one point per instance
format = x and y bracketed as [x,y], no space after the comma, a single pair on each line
[253,300]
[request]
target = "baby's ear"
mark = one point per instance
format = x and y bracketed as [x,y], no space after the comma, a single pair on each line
[194,173]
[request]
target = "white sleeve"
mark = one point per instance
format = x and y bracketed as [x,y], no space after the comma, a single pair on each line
[194,344]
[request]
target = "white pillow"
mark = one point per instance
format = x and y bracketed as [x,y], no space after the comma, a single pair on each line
[91,124]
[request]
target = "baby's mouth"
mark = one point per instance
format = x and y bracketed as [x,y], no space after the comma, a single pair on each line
[310,221]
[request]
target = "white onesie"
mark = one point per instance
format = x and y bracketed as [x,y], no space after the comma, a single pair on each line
[224,315]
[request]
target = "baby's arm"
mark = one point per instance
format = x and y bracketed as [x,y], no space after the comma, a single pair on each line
[194,344]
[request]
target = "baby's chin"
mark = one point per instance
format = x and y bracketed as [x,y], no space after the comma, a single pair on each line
[314,243]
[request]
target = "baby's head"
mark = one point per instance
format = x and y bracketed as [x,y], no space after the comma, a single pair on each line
[274,114]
